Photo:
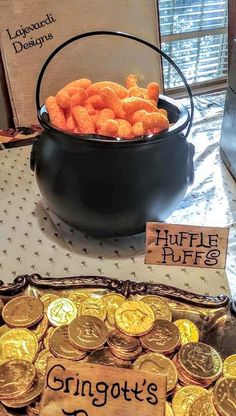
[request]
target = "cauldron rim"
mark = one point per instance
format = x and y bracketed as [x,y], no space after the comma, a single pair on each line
[96,139]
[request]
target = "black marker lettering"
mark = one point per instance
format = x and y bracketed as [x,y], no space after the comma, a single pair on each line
[126,390]
[115,390]
[55,379]
[137,392]
[151,388]
[212,257]
[84,382]
[162,238]
[102,388]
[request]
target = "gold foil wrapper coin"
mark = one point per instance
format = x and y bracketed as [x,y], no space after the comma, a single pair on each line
[184,397]
[61,311]
[158,363]
[123,342]
[163,338]
[225,396]
[41,328]
[60,345]
[188,331]
[104,356]
[19,344]
[3,329]
[23,312]
[93,307]
[200,361]
[47,337]
[41,361]
[202,406]
[134,318]
[159,306]
[112,301]
[88,333]
[229,366]
[16,377]
[47,299]
[168,410]
[78,297]
[33,409]
[30,396]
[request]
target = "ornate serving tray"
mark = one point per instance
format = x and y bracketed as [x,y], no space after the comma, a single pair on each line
[215,317]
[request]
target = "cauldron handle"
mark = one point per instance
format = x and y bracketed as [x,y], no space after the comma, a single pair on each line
[125,35]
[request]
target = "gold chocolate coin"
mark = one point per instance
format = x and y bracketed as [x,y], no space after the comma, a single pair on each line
[30,396]
[93,307]
[105,357]
[42,360]
[159,306]
[41,328]
[23,311]
[47,337]
[61,312]
[188,331]
[123,342]
[163,338]
[47,299]
[3,411]
[19,344]
[168,410]
[87,333]
[3,329]
[225,396]
[77,298]
[200,361]
[158,363]
[229,366]
[61,346]
[16,377]
[202,406]
[134,318]
[184,397]
[112,302]
[33,409]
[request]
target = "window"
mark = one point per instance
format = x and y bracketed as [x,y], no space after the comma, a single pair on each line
[194,35]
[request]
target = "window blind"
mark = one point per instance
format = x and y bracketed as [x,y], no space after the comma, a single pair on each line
[194,34]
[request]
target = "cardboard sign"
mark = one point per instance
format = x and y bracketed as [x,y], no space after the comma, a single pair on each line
[76,389]
[186,245]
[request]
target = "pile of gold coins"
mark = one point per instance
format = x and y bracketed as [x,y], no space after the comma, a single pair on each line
[111,330]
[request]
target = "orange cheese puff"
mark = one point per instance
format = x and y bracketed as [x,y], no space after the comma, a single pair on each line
[112,101]
[83,120]
[138,129]
[153,102]
[91,111]
[79,97]
[63,99]
[96,101]
[137,92]
[56,113]
[155,120]
[104,115]
[153,90]
[163,111]
[139,116]
[79,83]
[124,128]
[70,123]
[120,91]
[110,128]
[76,130]
[131,81]
[132,104]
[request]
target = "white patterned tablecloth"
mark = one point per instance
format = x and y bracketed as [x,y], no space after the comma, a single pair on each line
[32,239]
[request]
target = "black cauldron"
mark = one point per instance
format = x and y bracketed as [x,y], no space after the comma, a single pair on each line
[106,187]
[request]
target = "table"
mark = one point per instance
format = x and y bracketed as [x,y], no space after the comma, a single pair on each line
[34,240]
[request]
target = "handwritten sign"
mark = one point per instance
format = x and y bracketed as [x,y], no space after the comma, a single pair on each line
[82,389]
[186,245]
